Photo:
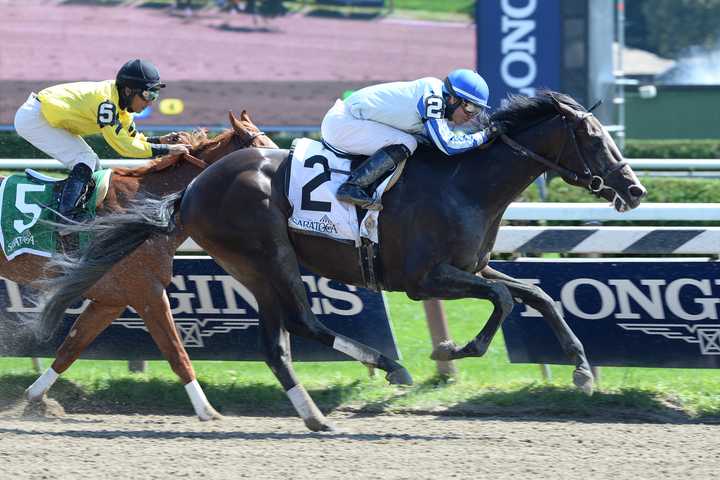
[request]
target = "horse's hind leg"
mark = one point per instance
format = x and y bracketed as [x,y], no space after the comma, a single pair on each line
[96,318]
[535,297]
[154,308]
[276,343]
[285,272]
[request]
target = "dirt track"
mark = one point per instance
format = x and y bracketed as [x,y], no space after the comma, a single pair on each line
[388,447]
[287,71]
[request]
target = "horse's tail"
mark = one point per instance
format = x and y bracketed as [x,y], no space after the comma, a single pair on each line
[112,238]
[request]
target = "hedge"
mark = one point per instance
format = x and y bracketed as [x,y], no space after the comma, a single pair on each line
[672,149]
[11,146]
[660,189]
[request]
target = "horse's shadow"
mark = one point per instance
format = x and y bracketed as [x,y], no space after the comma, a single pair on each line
[532,402]
[164,397]
[226,27]
[547,402]
[343,15]
[215,435]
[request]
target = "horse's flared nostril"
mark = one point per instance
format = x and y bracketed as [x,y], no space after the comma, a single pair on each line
[637,191]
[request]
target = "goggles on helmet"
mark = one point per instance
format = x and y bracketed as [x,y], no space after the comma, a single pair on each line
[149,95]
[472,109]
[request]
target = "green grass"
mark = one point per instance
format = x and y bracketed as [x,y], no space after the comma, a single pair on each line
[489,385]
[448,6]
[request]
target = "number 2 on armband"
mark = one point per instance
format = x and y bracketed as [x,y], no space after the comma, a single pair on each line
[434,107]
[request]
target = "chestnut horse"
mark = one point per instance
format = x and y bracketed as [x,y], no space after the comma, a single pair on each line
[437,231]
[142,283]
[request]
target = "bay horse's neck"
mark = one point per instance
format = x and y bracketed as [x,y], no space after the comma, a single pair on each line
[507,173]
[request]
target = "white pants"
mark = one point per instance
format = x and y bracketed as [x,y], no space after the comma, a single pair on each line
[360,137]
[58,143]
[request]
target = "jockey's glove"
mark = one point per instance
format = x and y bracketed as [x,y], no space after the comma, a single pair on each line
[493,131]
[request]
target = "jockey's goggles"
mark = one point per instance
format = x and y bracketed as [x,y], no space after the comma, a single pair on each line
[471,109]
[149,95]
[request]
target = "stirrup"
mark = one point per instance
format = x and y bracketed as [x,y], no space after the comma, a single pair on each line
[354,197]
[364,203]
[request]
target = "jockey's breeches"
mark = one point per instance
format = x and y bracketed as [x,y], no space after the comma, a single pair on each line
[59,144]
[341,130]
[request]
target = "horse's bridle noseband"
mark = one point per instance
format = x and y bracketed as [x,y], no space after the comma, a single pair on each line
[202,164]
[247,143]
[595,183]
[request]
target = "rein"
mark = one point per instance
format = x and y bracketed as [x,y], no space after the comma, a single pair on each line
[595,183]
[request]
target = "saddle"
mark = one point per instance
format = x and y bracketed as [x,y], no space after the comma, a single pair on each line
[313,173]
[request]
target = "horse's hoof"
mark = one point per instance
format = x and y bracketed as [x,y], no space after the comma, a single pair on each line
[210,414]
[444,351]
[583,379]
[30,397]
[320,425]
[399,376]
[44,407]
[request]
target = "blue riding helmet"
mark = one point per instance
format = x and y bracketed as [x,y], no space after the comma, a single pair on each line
[468,85]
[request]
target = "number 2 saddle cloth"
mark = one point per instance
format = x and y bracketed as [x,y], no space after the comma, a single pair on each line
[28,202]
[315,174]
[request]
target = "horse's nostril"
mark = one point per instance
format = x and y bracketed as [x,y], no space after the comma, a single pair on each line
[637,191]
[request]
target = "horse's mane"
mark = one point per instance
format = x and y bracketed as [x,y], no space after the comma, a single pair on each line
[521,111]
[200,142]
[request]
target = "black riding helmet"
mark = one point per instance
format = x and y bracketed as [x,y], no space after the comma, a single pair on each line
[138,75]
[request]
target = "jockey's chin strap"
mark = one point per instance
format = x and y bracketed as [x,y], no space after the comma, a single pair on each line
[595,183]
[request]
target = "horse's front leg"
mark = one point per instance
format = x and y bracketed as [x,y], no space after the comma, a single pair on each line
[449,283]
[535,297]
[154,308]
[96,318]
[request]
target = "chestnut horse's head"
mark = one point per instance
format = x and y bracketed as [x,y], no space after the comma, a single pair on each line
[243,134]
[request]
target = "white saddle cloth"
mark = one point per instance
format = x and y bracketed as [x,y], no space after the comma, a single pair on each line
[315,175]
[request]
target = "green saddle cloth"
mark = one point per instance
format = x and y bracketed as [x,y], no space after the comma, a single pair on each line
[23,211]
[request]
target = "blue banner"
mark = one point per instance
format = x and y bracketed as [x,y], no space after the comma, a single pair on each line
[646,313]
[217,318]
[518,46]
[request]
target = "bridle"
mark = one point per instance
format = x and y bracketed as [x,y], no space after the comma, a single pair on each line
[248,142]
[592,181]
[202,164]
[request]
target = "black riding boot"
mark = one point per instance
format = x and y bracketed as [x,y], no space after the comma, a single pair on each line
[72,191]
[373,168]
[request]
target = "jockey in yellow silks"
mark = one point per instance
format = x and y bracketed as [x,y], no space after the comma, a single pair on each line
[55,120]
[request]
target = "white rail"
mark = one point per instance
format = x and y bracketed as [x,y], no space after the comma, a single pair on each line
[695,212]
[657,164]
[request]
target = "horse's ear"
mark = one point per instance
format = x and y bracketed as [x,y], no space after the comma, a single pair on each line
[235,122]
[245,117]
[563,108]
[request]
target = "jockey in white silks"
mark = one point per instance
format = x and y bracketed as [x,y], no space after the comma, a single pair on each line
[386,121]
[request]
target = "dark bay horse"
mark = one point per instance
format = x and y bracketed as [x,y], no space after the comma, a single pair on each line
[437,231]
[142,283]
